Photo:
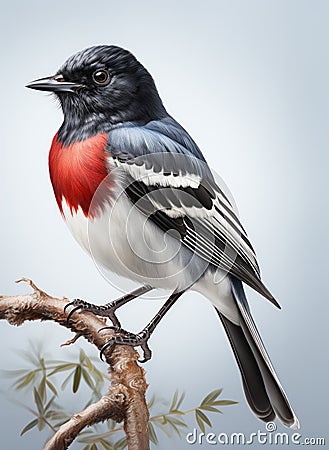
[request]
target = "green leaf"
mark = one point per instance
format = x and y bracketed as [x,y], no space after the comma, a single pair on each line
[152,434]
[29,426]
[55,415]
[204,418]
[52,387]
[76,379]
[199,422]
[97,375]
[88,379]
[89,363]
[105,444]
[178,422]
[162,426]
[201,419]
[48,405]
[173,425]
[93,446]
[82,356]
[224,403]
[211,397]
[151,402]
[162,423]
[180,401]
[174,400]
[62,368]
[42,389]
[121,444]
[210,408]
[26,380]
[42,363]
[67,379]
[38,401]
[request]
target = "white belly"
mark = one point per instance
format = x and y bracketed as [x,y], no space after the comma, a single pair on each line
[122,241]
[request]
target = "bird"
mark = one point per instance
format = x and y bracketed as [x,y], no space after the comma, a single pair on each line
[139,197]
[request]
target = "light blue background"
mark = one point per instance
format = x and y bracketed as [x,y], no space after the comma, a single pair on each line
[249,80]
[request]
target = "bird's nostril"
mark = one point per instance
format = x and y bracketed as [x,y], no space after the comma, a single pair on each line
[59,78]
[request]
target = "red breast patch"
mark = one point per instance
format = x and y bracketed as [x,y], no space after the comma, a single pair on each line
[76,171]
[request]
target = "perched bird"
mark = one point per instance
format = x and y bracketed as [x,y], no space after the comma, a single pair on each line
[138,195]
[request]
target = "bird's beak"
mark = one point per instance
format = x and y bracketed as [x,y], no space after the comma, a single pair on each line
[55,83]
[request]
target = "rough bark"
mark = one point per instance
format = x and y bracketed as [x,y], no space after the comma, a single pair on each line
[125,400]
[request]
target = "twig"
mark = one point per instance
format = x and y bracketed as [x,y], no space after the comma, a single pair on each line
[72,340]
[126,397]
[110,406]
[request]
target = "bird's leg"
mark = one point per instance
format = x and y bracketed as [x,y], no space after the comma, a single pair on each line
[141,339]
[107,310]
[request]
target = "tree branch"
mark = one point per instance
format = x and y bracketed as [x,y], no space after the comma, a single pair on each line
[110,406]
[126,397]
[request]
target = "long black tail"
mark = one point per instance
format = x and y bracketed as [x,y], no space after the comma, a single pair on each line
[262,387]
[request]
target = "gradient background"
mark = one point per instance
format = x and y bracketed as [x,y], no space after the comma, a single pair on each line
[249,80]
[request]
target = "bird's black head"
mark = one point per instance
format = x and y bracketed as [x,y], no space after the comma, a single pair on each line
[100,87]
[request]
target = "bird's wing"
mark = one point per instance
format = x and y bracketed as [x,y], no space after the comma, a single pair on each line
[170,182]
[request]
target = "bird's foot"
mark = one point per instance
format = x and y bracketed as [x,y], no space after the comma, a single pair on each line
[107,310]
[128,338]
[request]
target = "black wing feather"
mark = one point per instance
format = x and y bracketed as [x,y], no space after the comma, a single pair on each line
[170,182]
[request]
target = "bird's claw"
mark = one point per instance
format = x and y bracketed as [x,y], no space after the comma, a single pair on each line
[117,330]
[79,304]
[128,338]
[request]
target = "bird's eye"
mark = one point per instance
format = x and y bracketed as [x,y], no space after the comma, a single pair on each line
[101,77]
